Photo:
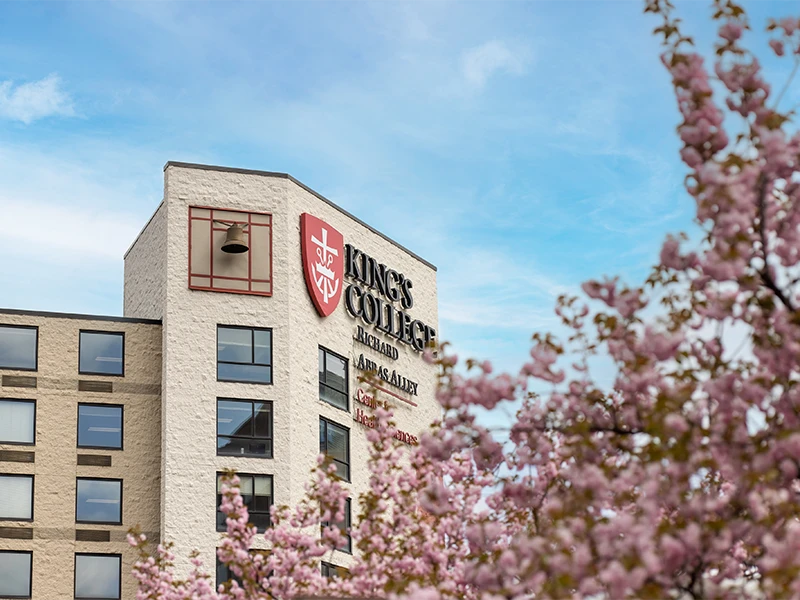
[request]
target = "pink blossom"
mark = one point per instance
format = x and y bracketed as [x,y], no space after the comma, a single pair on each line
[777,47]
[789,25]
[731,31]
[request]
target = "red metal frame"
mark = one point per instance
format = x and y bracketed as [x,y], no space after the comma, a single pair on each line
[211,277]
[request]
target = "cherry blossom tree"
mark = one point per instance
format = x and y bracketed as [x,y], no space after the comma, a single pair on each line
[680,480]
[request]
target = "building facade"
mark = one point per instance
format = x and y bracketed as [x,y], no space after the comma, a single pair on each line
[251,307]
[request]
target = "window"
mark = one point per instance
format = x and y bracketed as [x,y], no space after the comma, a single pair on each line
[17,421]
[333,379]
[15,574]
[100,426]
[330,571]
[97,576]
[344,525]
[244,428]
[16,497]
[99,501]
[244,354]
[18,347]
[334,442]
[225,574]
[101,353]
[256,493]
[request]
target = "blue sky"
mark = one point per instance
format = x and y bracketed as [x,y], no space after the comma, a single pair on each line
[522,147]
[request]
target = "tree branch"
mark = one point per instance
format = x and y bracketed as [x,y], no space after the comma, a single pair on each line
[769,282]
[788,82]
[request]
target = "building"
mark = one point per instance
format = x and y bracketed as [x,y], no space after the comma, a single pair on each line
[251,306]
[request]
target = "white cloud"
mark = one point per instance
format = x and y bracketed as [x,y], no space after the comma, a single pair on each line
[65,234]
[490,288]
[68,212]
[480,63]
[34,100]
[77,209]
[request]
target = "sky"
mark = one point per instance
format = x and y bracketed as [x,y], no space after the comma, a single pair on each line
[521,147]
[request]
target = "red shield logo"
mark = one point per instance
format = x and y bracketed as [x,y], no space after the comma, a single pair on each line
[323,262]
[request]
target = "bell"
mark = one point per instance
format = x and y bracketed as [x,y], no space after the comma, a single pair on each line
[234,240]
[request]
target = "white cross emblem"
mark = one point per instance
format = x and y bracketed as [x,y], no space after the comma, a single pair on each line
[324,277]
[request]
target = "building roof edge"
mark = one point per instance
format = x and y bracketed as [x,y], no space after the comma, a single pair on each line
[142,230]
[332,204]
[60,315]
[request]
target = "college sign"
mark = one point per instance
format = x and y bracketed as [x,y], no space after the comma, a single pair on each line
[372,295]
[368,420]
[323,262]
[374,291]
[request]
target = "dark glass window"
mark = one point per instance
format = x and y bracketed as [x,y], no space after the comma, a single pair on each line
[17,421]
[256,491]
[330,571]
[97,576]
[344,525]
[333,379]
[102,353]
[224,574]
[15,574]
[16,497]
[99,501]
[334,442]
[244,354]
[18,347]
[244,428]
[99,426]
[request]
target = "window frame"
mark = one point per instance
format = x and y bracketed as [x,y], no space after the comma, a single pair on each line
[35,410]
[218,565]
[32,477]
[329,422]
[30,572]
[252,330]
[252,412]
[348,521]
[100,331]
[121,491]
[36,354]
[331,567]
[75,576]
[121,408]
[249,512]
[346,391]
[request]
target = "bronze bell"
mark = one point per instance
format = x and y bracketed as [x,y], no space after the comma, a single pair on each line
[234,240]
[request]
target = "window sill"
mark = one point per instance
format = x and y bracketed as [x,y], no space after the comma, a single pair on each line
[246,456]
[93,374]
[244,381]
[326,403]
[259,530]
[12,520]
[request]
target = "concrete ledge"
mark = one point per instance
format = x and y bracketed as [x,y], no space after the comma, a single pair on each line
[60,315]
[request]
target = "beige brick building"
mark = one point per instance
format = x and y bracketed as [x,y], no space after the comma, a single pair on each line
[252,304]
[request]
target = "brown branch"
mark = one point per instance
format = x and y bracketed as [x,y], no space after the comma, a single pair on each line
[616,429]
[771,285]
[769,282]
